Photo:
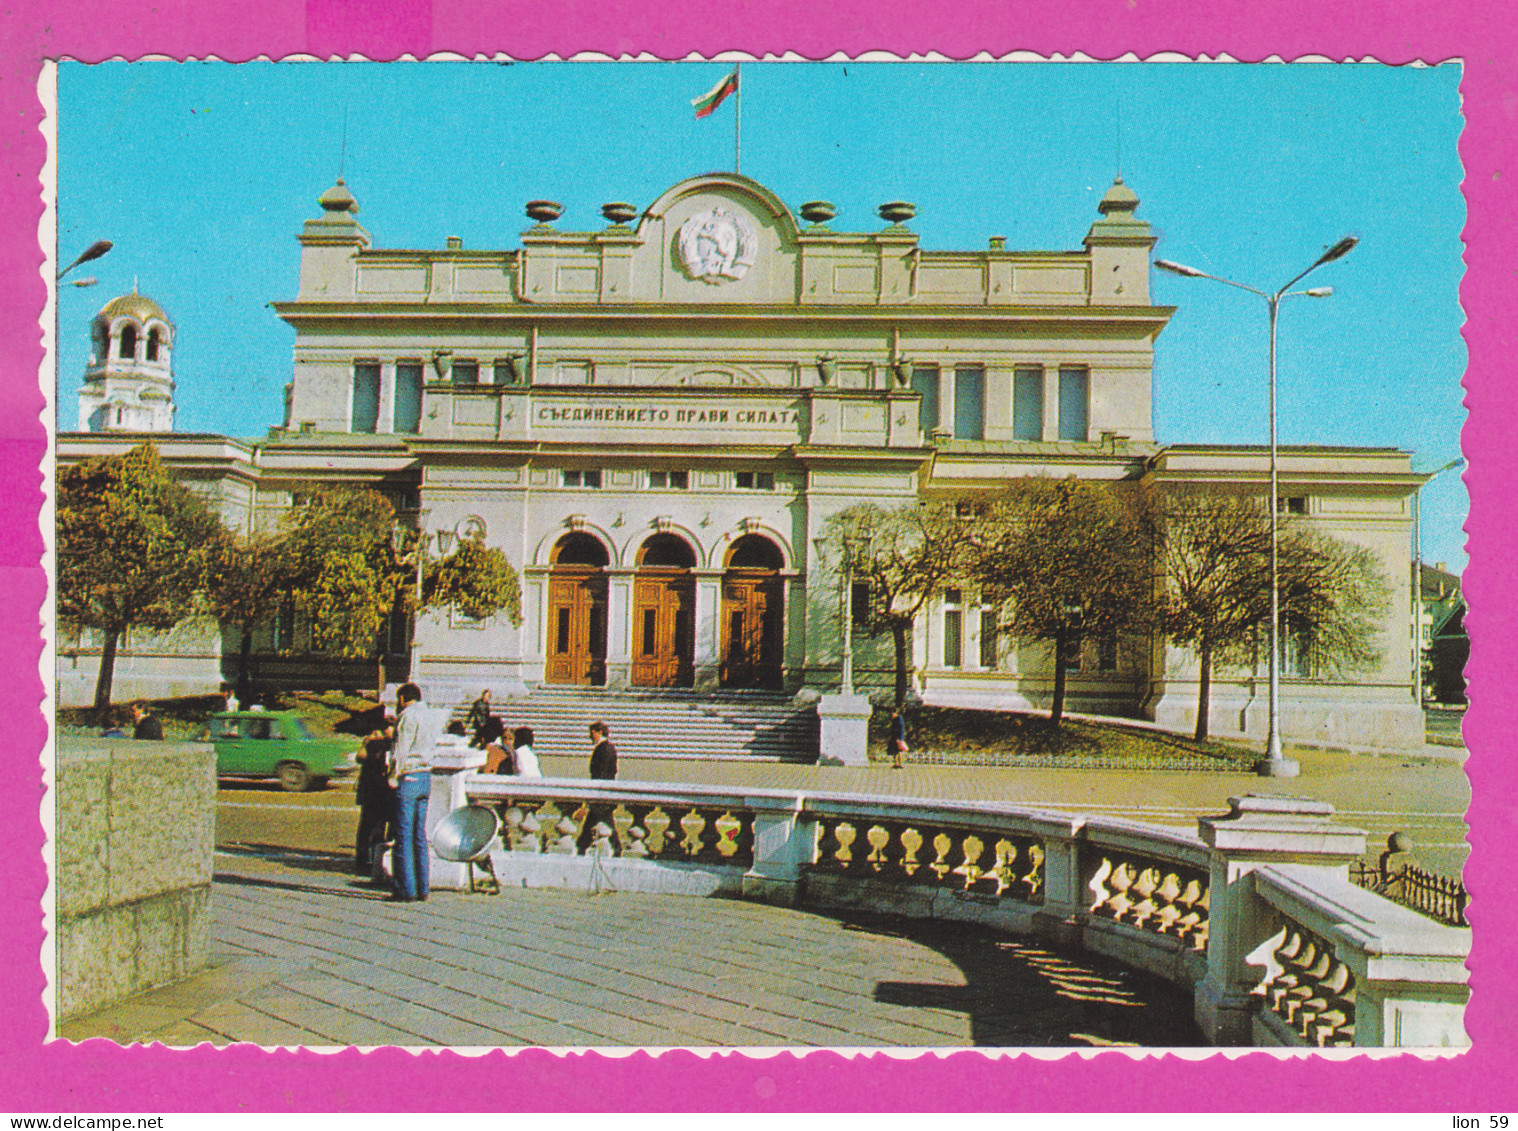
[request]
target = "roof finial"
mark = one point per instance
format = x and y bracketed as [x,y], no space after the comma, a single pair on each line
[134,284]
[343,152]
[1120,142]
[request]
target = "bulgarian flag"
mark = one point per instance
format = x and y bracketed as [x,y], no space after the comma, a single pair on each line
[713,97]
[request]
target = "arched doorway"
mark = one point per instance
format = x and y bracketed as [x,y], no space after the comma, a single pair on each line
[753,614]
[576,645]
[664,611]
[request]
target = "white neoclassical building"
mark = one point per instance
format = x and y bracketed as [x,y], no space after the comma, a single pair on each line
[655,420]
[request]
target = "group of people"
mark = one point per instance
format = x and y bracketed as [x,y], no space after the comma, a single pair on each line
[507,751]
[395,780]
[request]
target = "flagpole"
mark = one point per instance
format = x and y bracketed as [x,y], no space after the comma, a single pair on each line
[738,120]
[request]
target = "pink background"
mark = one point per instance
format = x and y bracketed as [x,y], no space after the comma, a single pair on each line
[99,1076]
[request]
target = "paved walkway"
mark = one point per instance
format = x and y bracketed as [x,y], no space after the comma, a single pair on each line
[307,955]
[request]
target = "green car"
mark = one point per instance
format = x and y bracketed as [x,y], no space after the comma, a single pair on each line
[278,744]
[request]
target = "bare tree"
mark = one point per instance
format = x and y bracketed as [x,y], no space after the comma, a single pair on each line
[1214,553]
[1069,559]
[905,555]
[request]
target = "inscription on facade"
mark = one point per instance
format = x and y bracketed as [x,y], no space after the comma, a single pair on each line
[668,414]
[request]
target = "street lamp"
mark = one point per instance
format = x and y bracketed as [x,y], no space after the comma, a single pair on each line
[1275,763]
[418,555]
[94,251]
[1458,461]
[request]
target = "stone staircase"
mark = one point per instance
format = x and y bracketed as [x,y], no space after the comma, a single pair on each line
[739,726]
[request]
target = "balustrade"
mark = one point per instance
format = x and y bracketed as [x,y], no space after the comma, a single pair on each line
[1265,886]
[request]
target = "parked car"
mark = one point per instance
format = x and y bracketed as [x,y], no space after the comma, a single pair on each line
[278,744]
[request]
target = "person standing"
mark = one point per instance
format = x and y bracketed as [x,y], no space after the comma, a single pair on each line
[527,761]
[145,725]
[896,739]
[417,730]
[479,715]
[603,755]
[376,801]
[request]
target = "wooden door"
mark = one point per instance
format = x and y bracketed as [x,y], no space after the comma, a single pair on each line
[576,645]
[663,646]
[753,629]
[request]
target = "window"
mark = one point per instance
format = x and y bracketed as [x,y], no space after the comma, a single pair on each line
[1291,504]
[1028,403]
[953,630]
[990,637]
[408,396]
[583,478]
[503,372]
[1296,650]
[754,480]
[970,402]
[152,353]
[673,480]
[366,385]
[925,383]
[1074,394]
[1074,645]
[859,604]
[129,341]
[466,372]
[1106,653]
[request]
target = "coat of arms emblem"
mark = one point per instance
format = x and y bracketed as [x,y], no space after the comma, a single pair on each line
[716,245]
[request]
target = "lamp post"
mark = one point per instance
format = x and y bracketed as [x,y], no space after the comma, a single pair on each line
[1275,763]
[419,554]
[1458,461]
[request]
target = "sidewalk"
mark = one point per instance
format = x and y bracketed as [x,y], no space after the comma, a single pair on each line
[308,956]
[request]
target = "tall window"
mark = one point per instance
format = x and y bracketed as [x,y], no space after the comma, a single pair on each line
[152,353]
[859,604]
[1074,395]
[366,384]
[970,403]
[466,372]
[408,397]
[129,341]
[990,637]
[925,383]
[953,629]
[1028,403]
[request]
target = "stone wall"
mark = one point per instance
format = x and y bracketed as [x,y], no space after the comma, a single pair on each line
[133,836]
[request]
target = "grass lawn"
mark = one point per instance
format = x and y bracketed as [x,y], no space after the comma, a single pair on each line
[961,736]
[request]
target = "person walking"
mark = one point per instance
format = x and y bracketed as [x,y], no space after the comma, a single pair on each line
[479,716]
[896,739]
[603,755]
[417,730]
[527,761]
[146,725]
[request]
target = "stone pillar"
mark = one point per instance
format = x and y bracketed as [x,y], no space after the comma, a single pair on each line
[845,730]
[1061,917]
[783,846]
[1257,830]
[708,629]
[619,636]
[449,765]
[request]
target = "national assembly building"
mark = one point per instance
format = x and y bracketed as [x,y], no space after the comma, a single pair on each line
[655,420]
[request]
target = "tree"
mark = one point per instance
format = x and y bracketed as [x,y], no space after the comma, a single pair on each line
[244,586]
[476,579]
[133,547]
[1214,553]
[1068,559]
[905,556]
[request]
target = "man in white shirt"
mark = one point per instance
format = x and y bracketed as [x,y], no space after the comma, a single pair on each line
[417,730]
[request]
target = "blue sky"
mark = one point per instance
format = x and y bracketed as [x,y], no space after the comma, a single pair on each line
[202,174]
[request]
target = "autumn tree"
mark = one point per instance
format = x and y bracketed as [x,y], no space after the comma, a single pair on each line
[133,547]
[476,579]
[1067,559]
[905,556]
[244,586]
[1214,555]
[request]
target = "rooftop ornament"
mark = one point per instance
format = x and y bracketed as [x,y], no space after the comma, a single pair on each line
[897,212]
[818,212]
[617,212]
[545,212]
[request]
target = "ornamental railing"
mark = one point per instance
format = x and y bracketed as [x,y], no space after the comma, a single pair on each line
[1439,897]
[1256,916]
